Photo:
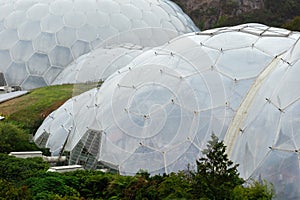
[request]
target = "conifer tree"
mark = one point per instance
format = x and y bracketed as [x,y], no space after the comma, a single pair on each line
[216,176]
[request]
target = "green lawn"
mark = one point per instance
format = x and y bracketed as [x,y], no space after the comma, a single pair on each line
[30,110]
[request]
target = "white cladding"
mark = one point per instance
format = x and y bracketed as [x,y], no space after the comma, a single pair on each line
[39,38]
[157,113]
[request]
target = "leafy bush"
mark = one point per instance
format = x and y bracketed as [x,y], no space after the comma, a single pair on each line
[14,139]
[9,191]
[17,170]
[50,187]
[256,191]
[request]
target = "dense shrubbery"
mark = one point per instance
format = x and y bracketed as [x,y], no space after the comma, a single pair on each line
[14,139]
[215,178]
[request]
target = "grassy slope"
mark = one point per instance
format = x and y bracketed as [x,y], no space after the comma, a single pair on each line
[29,110]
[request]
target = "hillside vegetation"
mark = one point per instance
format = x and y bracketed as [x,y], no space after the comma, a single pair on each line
[28,111]
[216,13]
[24,115]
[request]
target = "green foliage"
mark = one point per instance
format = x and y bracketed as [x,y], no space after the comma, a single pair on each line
[29,110]
[175,186]
[142,186]
[14,139]
[216,175]
[25,114]
[9,191]
[279,14]
[294,24]
[219,13]
[50,187]
[283,8]
[256,191]
[16,170]
[95,186]
[215,178]
[118,184]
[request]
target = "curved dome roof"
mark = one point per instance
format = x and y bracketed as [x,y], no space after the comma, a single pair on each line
[166,103]
[268,140]
[39,38]
[98,64]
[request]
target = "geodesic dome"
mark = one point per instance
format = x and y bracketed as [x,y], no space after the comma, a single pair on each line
[98,64]
[158,112]
[39,38]
[267,141]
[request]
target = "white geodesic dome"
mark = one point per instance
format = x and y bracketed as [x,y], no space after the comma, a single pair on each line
[267,143]
[39,38]
[98,64]
[158,112]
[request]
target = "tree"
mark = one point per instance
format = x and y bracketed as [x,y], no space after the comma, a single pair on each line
[216,176]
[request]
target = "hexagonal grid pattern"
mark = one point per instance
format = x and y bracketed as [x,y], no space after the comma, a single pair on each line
[28,27]
[240,83]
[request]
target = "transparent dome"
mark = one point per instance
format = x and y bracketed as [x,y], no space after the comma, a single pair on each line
[98,64]
[39,38]
[267,142]
[158,112]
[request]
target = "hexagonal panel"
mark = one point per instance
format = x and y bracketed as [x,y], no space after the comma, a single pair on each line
[38,11]
[16,74]
[23,5]
[120,22]
[29,30]
[33,82]
[75,19]
[22,50]
[51,23]
[15,19]
[2,26]
[38,64]
[79,48]
[151,19]
[2,79]
[97,19]
[66,36]
[52,73]
[44,42]
[8,38]
[61,7]
[5,60]
[60,56]
[109,6]
[5,10]
[85,6]
[87,33]
[107,32]
[131,11]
